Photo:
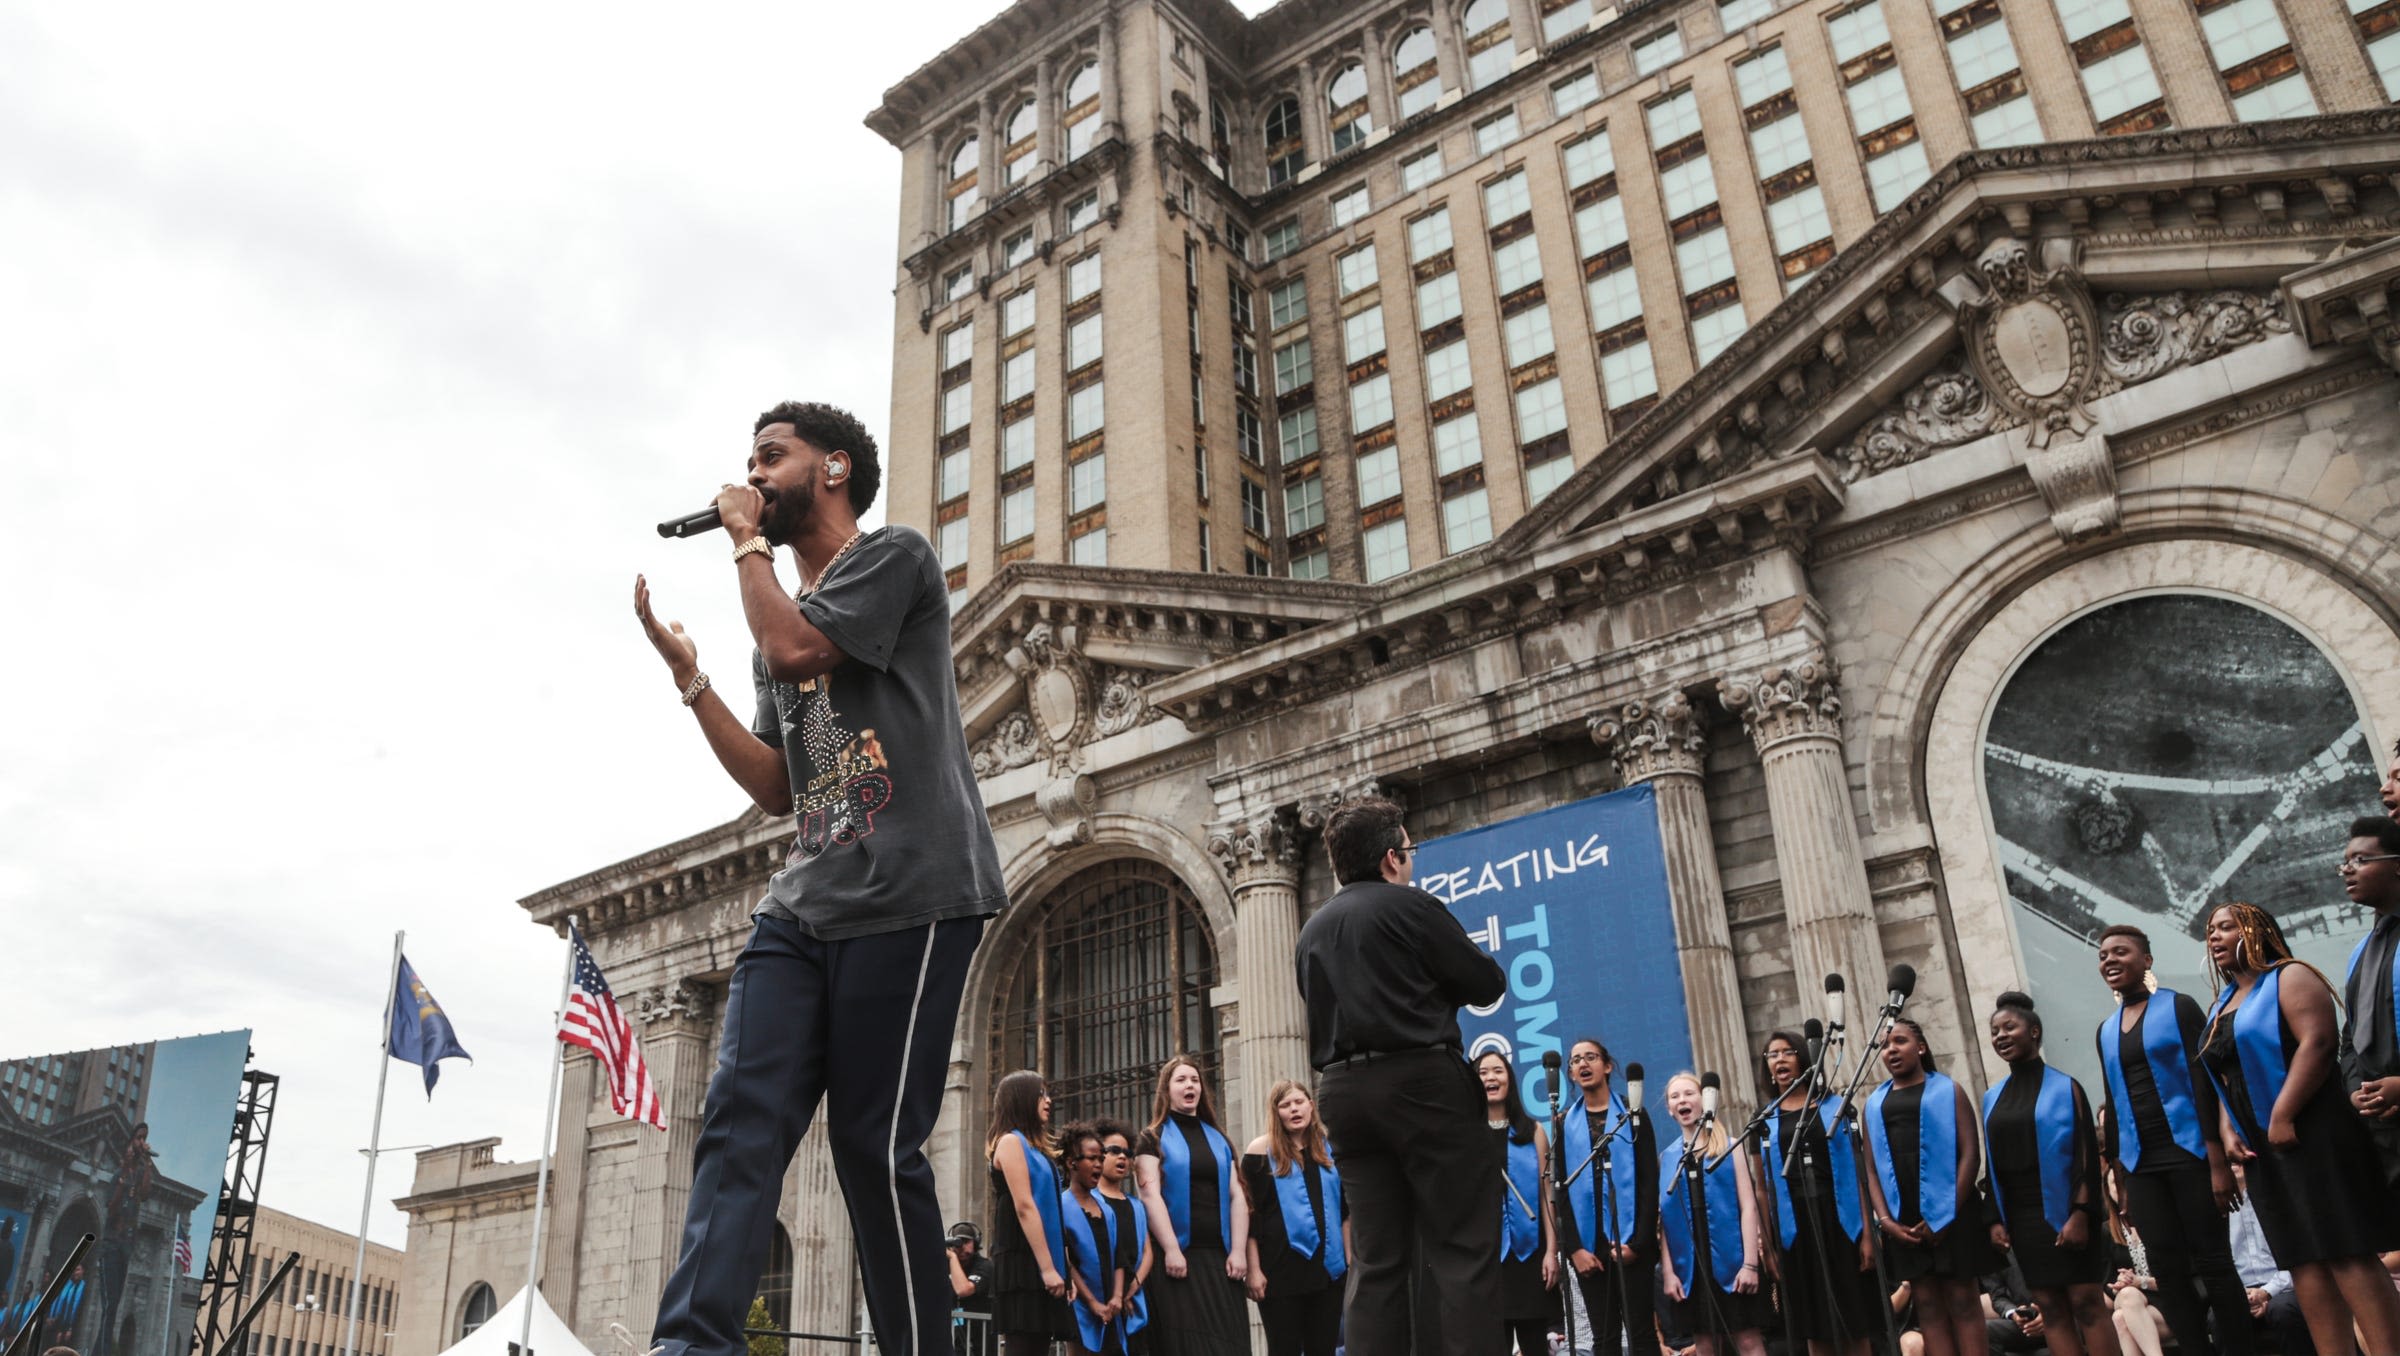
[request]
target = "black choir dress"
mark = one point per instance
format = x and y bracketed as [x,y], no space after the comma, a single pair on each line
[1302,1311]
[1708,1306]
[2011,1141]
[1962,1252]
[1819,1281]
[1129,1256]
[2324,1200]
[1019,1303]
[1203,1313]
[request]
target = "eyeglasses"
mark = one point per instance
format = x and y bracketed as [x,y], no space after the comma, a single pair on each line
[1405,850]
[1583,1059]
[2354,863]
[1116,1151]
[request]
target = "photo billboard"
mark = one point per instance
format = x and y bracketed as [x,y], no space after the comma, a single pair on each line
[127,1144]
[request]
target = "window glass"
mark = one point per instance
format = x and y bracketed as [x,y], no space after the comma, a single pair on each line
[1566,20]
[1312,565]
[1285,154]
[1688,187]
[1896,175]
[1281,239]
[958,405]
[1467,520]
[1720,327]
[1415,73]
[1378,476]
[1778,145]
[1495,132]
[1371,403]
[1877,101]
[1304,504]
[1350,206]
[1296,434]
[1085,411]
[1627,374]
[958,346]
[1457,444]
[1437,300]
[1083,277]
[1658,51]
[1386,549]
[2009,124]
[1737,15]
[1016,377]
[1091,548]
[1362,335]
[1600,225]
[958,282]
[2286,98]
[1446,370]
[956,468]
[1016,516]
[1016,314]
[1762,77]
[1083,342]
[1589,159]
[1293,367]
[1016,250]
[1287,302]
[1704,260]
[1517,264]
[1982,53]
[1016,444]
[1429,235]
[1673,118]
[1505,199]
[1254,507]
[1083,212]
[1616,297]
[1541,410]
[1346,100]
[1540,480]
[1087,482]
[1574,92]
[1528,335]
[1799,220]
[2120,82]
[1420,169]
[1858,31]
[1356,270]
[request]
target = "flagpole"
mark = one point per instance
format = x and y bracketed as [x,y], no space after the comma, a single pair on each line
[366,1205]
[541,1181]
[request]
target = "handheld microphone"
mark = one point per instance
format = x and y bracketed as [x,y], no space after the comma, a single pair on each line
[1834,996]
[692,524]
[1813,1032]
[1903,982]
[1633,1089]
[1550,1075]
[1711,1088]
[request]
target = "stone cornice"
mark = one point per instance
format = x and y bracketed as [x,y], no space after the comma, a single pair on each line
[1004,42]
[1792,374]
[1490,591]
[1019,204]
[732,857]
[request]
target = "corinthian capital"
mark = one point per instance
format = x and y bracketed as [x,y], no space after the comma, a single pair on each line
[681,1001]
[1318,806]
[1652,738]
[1263,846]
[1788,701]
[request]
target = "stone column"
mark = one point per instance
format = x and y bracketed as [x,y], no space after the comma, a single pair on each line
[1111,87]
[1383,102]
[1661,742]
[988,131]
[1316,121]
[678,1030]
[1449,50]
[1260,855]
[1794,714]
[1525,25]
[1045,116]
[823,1253]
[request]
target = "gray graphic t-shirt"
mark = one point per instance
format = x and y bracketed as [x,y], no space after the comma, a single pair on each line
[890,831]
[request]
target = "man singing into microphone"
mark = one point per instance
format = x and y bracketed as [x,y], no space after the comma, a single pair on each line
[850,984]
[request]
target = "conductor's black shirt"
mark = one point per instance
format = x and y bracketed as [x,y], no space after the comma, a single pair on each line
[1385,967]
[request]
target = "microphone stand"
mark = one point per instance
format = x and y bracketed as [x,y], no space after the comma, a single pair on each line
[1846,1124]
[1561,1207]
[1804,1158]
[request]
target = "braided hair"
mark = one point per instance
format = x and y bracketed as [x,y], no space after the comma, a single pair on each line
[2258,946]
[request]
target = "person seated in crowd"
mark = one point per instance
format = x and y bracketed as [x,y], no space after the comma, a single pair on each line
[2012,1321]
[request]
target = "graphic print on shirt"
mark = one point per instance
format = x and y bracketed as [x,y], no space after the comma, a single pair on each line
[848,778]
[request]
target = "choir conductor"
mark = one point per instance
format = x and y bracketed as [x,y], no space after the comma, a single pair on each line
[1383,970]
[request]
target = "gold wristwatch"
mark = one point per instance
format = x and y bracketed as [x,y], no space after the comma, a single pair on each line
[756,546]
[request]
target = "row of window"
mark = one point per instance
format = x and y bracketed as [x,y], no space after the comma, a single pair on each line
[1078,116]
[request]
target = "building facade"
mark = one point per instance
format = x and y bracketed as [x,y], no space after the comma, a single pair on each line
[310,1315]
[1945,450]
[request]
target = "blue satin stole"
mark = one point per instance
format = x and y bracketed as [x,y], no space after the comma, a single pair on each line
[2053,1143]
[1937,1150]
[2170,1073]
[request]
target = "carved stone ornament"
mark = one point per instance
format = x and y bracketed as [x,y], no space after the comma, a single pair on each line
[2078,480]
[2033,336]
[1262,846]
[1012,744]
[1945,408]
[680,1001]
[1788,701]
[2150,334]
[1318,806]
[1069,701]
[1067,803]
[1653,738]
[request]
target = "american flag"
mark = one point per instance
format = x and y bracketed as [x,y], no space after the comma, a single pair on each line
[183,1246]
[594,1021]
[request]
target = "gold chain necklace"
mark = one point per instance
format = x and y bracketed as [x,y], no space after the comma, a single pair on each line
[843,550]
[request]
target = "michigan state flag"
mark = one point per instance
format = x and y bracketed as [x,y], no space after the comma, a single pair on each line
[421,1033]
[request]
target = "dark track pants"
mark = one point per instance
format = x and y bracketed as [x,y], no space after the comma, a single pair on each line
[863,1024]
[1421,1173]
[2187,1241]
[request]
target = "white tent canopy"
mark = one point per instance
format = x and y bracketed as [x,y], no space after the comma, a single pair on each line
[551,1336]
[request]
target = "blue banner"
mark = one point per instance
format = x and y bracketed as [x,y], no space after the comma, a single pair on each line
[1573,903]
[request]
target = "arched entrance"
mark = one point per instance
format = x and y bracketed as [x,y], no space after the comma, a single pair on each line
[1114,982]
[2153,756]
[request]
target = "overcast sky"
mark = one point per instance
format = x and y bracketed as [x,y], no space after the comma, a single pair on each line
[346,360]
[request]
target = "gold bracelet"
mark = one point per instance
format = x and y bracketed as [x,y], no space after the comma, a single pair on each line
[699,685]
[756,546]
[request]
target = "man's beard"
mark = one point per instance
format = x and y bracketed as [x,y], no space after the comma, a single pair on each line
[787,513]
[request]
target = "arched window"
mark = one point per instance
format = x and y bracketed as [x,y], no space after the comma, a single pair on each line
[1285,155]
[1082,116]
[1019,139]
[1346,99]
[775,1284]
[2137,771]
[478,1309]
[1115,983]
[1415,74]
[964,163]
[1490,48]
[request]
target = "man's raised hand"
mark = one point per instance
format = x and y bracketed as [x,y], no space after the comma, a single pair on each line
[681,652]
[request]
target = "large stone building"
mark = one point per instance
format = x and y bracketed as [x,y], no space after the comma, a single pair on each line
[310,1315]
[1945,449]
